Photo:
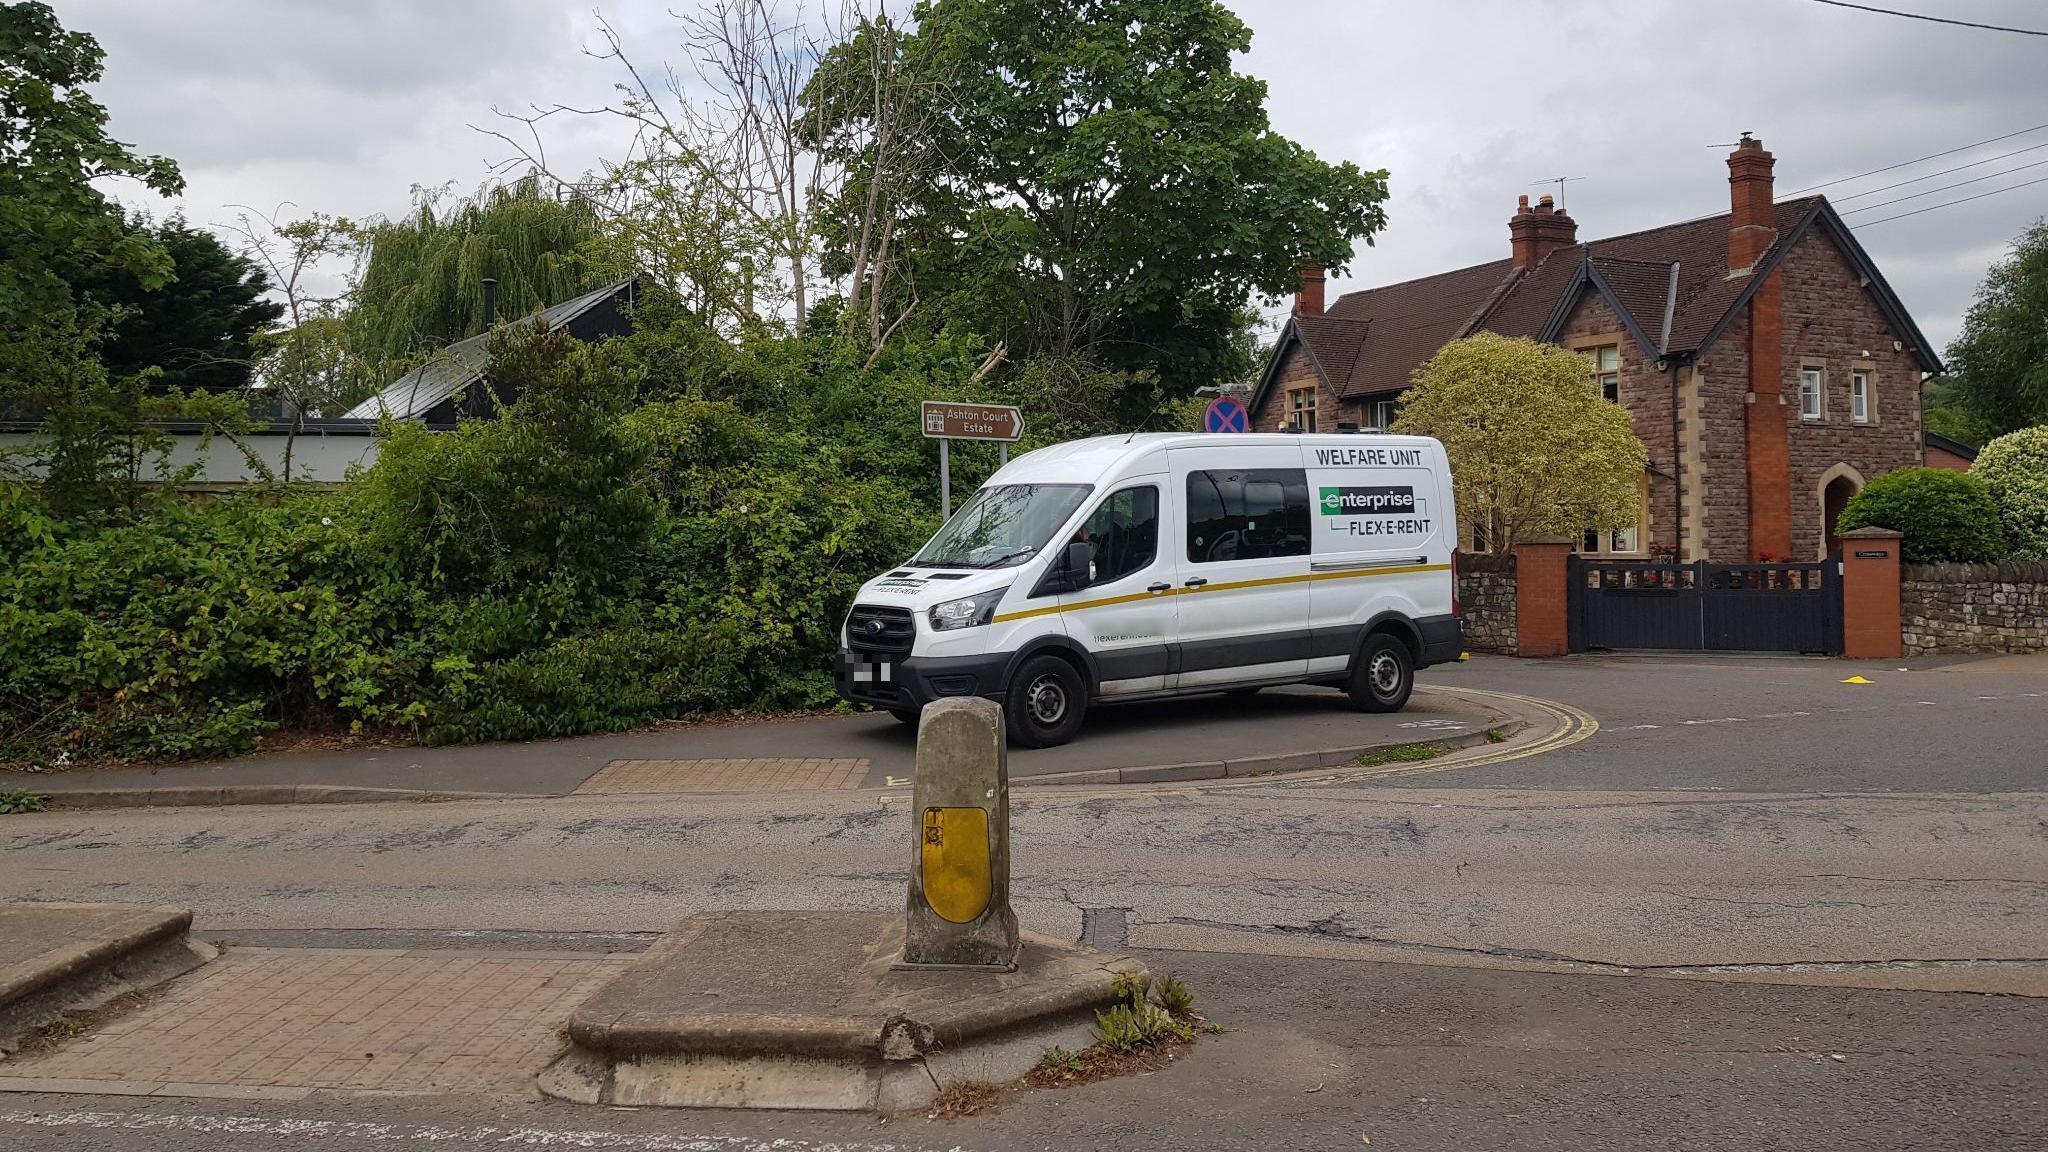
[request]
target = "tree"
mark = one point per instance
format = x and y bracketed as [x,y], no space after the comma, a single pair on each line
[1999,365]
[305,365]
[199,327]
[2014,469]
[1534,449]
[421,287]
[57,229]
[1108,185]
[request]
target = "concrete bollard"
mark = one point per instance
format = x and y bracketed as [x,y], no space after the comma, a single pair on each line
[959,906]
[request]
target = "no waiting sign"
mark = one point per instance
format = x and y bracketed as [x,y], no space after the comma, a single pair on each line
[943,420]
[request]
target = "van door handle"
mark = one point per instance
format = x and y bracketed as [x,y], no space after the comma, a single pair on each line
[1197,582]
[1155,589]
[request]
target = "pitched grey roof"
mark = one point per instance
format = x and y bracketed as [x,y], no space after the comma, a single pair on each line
[462,363]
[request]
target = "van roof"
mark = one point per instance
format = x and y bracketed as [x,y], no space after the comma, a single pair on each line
[1077,461]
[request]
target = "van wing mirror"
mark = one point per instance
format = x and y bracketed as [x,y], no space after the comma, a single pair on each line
[1079,565]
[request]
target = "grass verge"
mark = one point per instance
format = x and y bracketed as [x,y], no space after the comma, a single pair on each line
[1401,754]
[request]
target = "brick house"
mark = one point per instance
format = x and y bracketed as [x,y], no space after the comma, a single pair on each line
[1769,369]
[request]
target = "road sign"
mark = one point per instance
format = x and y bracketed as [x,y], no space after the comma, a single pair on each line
[943,420]
[1226,414]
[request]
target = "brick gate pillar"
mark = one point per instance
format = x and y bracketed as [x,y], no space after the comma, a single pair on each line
[1870,594]
[1542,624]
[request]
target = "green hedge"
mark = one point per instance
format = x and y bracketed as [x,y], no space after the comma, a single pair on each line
[1946,516]
[578,565]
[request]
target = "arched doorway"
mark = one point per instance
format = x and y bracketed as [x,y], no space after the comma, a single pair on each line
[1833,499]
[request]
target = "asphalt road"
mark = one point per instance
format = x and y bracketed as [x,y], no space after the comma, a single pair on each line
[1767,724]
[1572,930]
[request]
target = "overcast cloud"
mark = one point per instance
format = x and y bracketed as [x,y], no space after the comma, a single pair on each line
[344,105]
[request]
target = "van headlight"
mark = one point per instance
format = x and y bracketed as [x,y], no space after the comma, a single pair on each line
[968,611]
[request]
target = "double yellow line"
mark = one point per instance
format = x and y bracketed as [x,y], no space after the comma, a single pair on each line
[1302,578]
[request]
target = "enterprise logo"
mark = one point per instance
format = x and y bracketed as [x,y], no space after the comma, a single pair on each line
[1381,501]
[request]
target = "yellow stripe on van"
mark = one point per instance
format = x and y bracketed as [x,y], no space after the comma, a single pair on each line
[1305,577]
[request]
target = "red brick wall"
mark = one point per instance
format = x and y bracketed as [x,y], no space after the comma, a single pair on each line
[1942,458]
[1724,494]
[1645,393]
[1870,598]
[1541,621]
[1829,319]
[1295,370]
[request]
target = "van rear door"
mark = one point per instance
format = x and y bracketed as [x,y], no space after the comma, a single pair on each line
[1241,547]
[1381,542]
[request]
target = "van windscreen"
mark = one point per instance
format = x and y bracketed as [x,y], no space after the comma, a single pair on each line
[1002,525]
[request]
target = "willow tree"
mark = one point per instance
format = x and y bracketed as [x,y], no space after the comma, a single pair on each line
[421,286]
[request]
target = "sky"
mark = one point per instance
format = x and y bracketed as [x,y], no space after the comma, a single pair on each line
[345,106]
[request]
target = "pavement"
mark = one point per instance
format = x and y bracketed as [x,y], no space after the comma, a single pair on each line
[1320,1054]
[1280,729]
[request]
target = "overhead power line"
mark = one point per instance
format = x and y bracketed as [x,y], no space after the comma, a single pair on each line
[1932,19]
[1943,172]
[1952,203]
[1918,160]
[1944,188]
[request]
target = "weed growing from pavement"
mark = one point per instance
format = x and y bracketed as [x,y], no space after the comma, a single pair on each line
[1401,754]
[14,800]
[1148,1029]
[1495,736]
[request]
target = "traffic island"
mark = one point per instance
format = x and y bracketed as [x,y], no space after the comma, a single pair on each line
[814,1010]
[58,958]
[856,1010]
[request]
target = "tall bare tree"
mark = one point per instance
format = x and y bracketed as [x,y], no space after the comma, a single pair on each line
[304,365]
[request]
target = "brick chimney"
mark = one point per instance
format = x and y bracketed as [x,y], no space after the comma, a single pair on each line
[1309,301]
[1751,223]
[1539,231]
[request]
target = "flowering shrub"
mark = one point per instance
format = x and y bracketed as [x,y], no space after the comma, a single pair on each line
[2014,468]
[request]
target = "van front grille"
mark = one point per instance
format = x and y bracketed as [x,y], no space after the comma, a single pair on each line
[880,631]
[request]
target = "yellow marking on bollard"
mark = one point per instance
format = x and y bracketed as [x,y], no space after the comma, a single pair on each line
[954,860]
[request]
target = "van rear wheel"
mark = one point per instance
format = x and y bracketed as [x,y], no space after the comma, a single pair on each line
[1383,676]
[1045,703]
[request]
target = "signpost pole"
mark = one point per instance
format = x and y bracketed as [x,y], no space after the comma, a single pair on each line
[945,480]
[1002,454]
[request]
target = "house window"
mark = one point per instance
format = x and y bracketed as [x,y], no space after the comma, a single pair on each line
[1621,541]
[1613,542]
[1383,413]
[1606,364]
[1301,408]
[1859,397]
[1812,394]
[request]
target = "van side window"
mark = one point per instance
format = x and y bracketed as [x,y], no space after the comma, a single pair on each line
[1247,514]
[1125,532]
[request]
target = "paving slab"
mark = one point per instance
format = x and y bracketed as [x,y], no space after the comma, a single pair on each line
[806,1010]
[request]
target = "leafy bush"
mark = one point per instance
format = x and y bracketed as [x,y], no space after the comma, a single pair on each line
[2014,469]
[1946,516]
[573,566]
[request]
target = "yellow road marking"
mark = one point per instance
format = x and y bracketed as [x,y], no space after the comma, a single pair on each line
[1223,587]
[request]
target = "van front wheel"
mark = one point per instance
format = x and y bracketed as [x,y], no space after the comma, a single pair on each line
[1045,703]
[1383,676]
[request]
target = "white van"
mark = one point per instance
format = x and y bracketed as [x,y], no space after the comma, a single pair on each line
[1165,564]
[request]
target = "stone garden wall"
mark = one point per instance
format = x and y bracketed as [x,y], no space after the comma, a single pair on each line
[1974,608]
[1486,592]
